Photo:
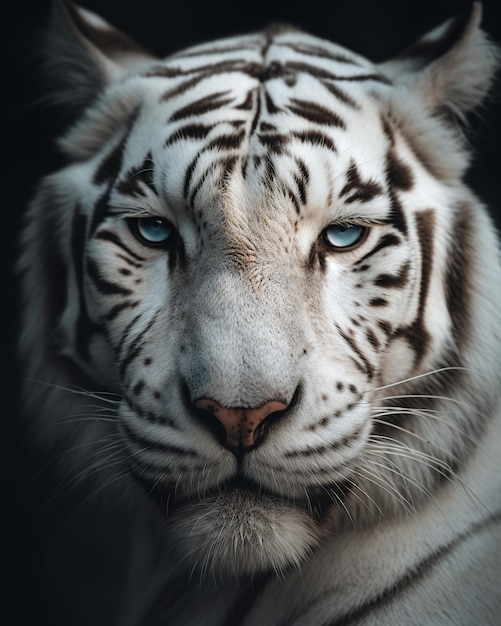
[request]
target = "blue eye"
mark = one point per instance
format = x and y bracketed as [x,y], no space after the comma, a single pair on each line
[151,231]
[344,236]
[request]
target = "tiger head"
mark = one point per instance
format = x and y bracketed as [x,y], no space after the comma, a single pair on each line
[264,249]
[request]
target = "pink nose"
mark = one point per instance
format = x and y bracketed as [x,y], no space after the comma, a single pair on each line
[240,424]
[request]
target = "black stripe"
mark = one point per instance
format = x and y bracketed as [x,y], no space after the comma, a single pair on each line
[138,180]
[181,88]
[385,242]
[257,113]
[321,73]
[104,286]
[274,142]
[223,142]
[314,112]
[107,235]
[226,142]
[202,105]
[459,275]
[340,95]
[119,308]
[398,173]
[322,449]
[101,211]
[416,333]
[316,138]
[155,444]
[215,50]
[135,348]
[110,166]
[321,53]
[248,103]
[208,69]
[189,174]
[367,367]
[378,302]
[271,107]
[189,131]
[394,280]
[412,576]
[397,215]
[358,190]
[301,183]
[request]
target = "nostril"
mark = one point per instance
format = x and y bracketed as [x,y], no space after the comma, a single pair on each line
[211,422]
[242,426]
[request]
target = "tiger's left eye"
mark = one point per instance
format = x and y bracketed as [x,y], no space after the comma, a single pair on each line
[151,231]
[344,237]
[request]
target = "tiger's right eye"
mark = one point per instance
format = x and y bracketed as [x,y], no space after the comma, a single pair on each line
[155,232]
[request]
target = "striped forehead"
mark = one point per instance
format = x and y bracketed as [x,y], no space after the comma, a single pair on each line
[269,109]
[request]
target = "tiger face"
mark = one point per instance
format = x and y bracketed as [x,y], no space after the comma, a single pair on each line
[261,229]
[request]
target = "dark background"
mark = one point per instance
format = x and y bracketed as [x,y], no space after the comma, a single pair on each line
[62,564]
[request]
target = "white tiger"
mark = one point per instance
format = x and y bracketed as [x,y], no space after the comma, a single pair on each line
[261,259]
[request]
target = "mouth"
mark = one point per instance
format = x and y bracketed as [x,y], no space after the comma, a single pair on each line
[315,502]
[240,528]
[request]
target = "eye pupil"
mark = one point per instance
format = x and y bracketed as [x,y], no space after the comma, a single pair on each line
[344,236]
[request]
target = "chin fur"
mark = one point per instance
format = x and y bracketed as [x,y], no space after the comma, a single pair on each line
[241,534]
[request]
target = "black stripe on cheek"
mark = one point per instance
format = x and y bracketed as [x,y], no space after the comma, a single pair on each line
[394,280]
[115,311]
[136,346]
[458,278]
[416,333]
[107,235]
[104,286]
[365,366]
[154,444]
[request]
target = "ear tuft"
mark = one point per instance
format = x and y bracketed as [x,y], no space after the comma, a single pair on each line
[83,53]
[451,68]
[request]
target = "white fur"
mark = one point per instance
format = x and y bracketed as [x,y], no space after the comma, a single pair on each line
[252,318]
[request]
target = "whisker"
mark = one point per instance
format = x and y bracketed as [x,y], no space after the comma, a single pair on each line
[377,420]
[425,414]
[386,486]
[417,377]
[98,395]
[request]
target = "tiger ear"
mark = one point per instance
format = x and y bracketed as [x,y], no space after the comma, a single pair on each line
[83,53]
[450,68]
